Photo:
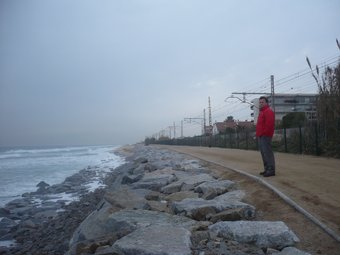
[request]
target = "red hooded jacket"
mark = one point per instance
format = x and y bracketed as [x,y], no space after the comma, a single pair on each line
[265,122]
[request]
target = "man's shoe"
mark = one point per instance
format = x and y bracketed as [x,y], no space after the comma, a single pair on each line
[269,173]
[262,173]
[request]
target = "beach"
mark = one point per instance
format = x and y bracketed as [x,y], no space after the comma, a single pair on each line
[161,201]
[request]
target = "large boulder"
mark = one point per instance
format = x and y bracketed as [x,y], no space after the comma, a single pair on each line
[128,179]
[186,182]
[190,182]
[96,225]
[179,196]
[211,189]
[154,181]
[145,218]
[156,240]
[291,251]
[201,209]
[106,223]
[263,234]
[125,197]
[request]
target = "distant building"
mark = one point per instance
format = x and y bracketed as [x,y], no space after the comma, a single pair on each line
[230,123]
[245,124]
[208,130]
[287,103]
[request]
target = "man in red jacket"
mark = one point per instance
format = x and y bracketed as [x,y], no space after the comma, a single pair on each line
[264,133]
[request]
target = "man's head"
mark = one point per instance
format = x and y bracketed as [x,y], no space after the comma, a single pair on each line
[263,101]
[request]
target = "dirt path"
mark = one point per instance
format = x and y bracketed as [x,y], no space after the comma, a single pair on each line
[312,182]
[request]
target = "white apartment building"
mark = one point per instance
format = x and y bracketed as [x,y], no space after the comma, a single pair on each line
[287,103]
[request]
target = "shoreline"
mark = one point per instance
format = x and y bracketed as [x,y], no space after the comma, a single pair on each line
[31,211]
[23,168]
[156,187]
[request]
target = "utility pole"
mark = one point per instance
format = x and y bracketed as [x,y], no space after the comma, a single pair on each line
[204,123]
[272,92]
[170,127]
[210,122]
[174,130]
[181,128]
[195,120]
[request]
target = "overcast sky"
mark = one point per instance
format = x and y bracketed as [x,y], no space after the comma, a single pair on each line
[116,71]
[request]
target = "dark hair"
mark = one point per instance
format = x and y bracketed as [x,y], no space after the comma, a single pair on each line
[265,98]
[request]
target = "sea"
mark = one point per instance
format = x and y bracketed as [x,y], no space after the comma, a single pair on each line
[22,168]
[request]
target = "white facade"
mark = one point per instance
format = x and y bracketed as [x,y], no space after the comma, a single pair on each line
[287,103]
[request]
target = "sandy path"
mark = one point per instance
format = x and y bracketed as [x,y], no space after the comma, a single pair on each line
[312,182]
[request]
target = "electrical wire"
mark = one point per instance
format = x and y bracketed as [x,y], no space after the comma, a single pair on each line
[282,85]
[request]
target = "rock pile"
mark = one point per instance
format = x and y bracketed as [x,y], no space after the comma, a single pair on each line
[159,202]
[43,222]
[162,203]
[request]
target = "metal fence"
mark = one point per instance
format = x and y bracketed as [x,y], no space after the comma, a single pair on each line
[309,139]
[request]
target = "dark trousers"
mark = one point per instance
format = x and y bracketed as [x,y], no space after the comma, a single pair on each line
[265,145]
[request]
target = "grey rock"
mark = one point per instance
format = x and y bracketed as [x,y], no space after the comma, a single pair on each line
[107,250]
[234,214]
[18,203]
[127,179]
[179,196]
[156,240]
[42,187]
[211,189]
[28,224]
[186,181]
[173,187]
[160,206]
[96,225]
[191,164]
[154,181]
[141,160]
[125,197]
[4,250]
[42,184]
[150,168]
[261,233]
[103,222]
[291,251]
[198,207]
[190,182]
[137,170]
[7,223]
[4,212]
[144,218]
[21,211]
[153,195]
[45,214]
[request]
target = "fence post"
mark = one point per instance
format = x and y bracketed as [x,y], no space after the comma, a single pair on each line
[285,139]
[316,140]
[300,133]
[237,139]
[225,139]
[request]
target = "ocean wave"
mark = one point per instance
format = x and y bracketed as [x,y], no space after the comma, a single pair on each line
[17,155]
[21,169]
[54,152]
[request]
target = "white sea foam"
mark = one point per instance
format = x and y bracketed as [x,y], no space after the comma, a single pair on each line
[22,169]
[7,243]
[66,197]
[94,184]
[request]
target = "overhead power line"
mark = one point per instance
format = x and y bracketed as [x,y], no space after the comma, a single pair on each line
[285,84]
